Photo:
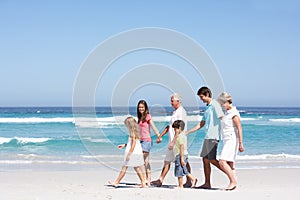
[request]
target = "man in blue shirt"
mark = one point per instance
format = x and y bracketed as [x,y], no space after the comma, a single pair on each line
[211,123]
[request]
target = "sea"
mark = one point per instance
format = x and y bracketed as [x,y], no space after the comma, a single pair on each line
[55,138]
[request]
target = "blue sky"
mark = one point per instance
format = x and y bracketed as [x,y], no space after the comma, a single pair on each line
[255,45]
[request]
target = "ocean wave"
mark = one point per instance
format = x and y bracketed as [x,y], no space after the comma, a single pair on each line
[263,157]
[248,119]
[23,140]
[53,141]
[37,120]
[286,120]
[97,140]
[103,122]
[70,162]
[282,156]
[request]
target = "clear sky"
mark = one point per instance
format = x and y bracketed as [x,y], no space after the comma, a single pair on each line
[255,45]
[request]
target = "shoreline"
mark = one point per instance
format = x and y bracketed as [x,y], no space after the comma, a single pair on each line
[115,162]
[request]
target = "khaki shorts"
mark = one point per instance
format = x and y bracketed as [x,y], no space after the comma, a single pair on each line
[170,156]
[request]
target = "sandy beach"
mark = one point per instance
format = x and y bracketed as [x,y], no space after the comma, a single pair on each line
[92,184]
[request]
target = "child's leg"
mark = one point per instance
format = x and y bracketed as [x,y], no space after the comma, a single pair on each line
[121,175]
[140,173]
[193,179]
[147,167]
[188,182]
[180,182]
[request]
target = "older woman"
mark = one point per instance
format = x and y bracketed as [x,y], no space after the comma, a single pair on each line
[232,138]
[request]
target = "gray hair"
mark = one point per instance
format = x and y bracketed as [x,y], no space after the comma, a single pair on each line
[176,96]
[225,97]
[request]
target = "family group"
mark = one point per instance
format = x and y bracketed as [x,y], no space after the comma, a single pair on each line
[214,122]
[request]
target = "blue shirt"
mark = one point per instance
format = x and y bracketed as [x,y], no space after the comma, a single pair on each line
[212,114]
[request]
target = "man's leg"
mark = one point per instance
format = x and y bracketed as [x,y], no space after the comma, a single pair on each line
[163,174]
[207,172]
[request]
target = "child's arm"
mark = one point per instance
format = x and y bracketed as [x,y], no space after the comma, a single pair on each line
[182,155]
[120,146]
[133,140]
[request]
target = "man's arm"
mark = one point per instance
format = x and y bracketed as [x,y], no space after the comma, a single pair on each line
[195,128]
[159,138]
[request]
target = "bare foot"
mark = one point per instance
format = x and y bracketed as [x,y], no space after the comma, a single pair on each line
[156,183]
[113,184]
[230,187]
[194,183]
[188,184]
[204,186]
[143,185]
[148,182]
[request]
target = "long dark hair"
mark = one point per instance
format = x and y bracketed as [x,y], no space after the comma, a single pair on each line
[142,117]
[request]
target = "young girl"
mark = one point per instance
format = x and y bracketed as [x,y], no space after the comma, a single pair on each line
[144,122]
[232,138]
[133,153]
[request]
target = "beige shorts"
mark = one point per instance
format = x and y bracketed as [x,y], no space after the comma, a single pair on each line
[170,156]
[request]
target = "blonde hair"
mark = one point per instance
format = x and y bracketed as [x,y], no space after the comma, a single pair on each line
[133,127]
[225,97]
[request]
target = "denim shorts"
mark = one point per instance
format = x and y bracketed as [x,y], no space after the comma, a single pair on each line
[146,146]
[180,171]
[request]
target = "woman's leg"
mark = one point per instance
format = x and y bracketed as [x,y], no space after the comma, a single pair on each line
[229,172]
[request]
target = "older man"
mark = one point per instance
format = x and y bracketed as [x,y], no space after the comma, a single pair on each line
[178,114]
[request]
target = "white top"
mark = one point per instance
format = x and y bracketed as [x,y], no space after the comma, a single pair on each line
[228,128]
[136,158]
[178,114]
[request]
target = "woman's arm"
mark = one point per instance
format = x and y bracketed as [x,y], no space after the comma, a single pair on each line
[237,122]
[154,127]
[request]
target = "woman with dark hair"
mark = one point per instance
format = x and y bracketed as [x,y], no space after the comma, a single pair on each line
[144,122]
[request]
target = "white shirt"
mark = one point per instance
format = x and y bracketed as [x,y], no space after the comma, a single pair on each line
[178,114]
[228,128]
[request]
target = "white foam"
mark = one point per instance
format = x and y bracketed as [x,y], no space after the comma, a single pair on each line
[22,140]
[37,120]
[286,120]
[247,119]
[268,157]
[97,140]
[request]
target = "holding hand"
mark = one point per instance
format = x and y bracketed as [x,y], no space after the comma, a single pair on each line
[159,139]
[120,146]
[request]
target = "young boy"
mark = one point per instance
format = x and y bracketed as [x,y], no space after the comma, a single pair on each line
[181,153]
